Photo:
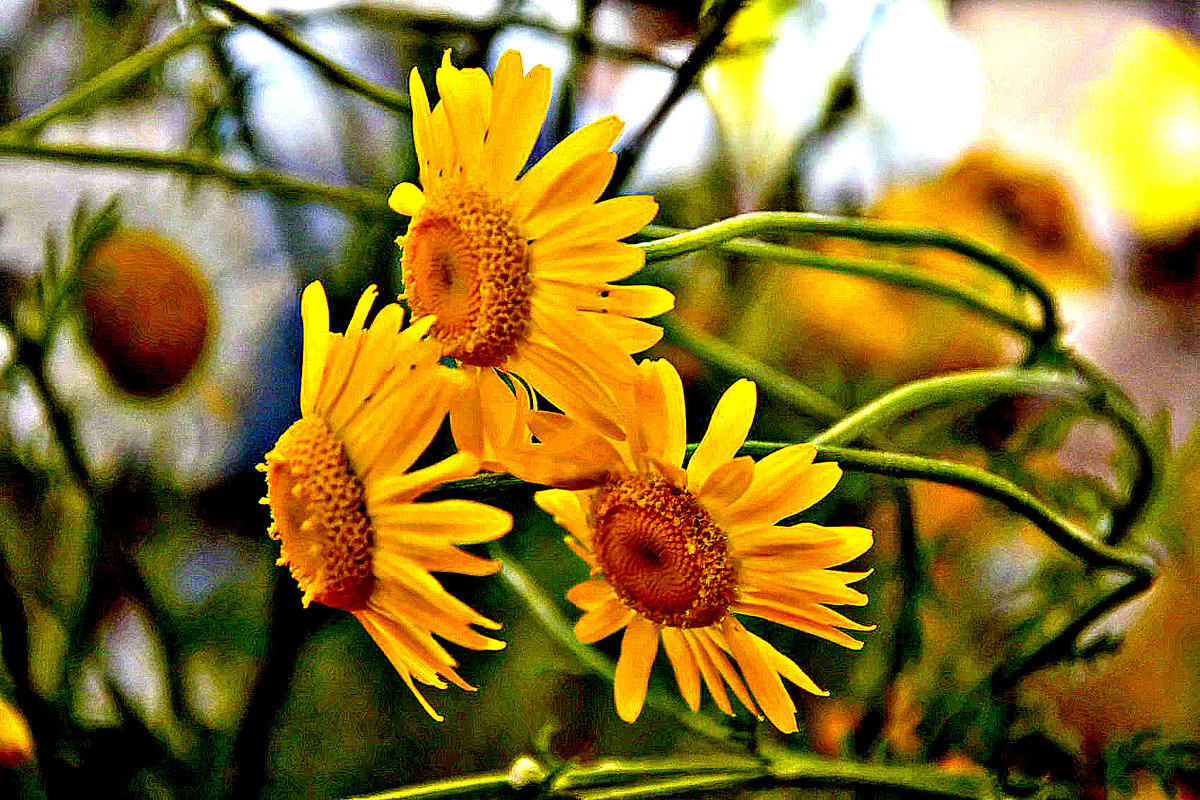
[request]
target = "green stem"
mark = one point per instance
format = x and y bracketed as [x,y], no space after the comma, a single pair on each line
[330,70]
[987,484]
[882,271]
[802,398]
[120,74]
[552,620]
[803,770]
[494,784]
[354,200]
[765,222]
[1113,404]
[955,387]
[676,776]
[985,384]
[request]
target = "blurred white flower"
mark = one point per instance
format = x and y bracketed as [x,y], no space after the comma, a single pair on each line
[187,433]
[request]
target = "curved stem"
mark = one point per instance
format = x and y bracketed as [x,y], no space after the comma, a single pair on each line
[882,271]
[358,201]
[972,384]
[116,76]
[330,70]
[1062,531]
[760,222]
[984,384]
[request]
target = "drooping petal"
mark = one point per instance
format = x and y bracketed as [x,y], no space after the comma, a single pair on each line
[764,681]
[687,672]
[638,649]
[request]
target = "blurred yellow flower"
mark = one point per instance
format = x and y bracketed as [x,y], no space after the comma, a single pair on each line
[342,499]
[1141,122]
[16,741]
[1021,208]
[517,270]
[675,553]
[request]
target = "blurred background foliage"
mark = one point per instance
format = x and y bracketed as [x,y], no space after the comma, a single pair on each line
[155,228]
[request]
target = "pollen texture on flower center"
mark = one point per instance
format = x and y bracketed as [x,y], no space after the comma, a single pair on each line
[465,261]
[661,552]
[319,514]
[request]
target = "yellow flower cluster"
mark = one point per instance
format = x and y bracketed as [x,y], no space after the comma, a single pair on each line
[509,274]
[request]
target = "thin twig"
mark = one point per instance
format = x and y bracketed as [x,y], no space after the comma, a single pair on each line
[330,70]
[685,76]
[352,199]
[120,74]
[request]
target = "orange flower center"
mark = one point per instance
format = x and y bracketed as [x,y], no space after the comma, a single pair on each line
[146,311]
[661,552]
[465,261]
[319,514]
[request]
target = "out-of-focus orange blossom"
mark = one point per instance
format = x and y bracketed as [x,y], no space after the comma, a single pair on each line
[1141,123]
[1020,209]
[147,311]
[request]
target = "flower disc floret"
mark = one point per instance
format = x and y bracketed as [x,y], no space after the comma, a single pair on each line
[465,262]
[662,552]
[320,516]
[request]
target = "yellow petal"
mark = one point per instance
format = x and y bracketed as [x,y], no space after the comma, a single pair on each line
[687,672]
[782,492]
[455,521]
[603,621]
[595,137]
[579,187]
[764,681]
[519,105]
[406,487]
[631,335]
[638,649]
[564,506]
[607,220]
[605,298]
[591,594]
[428,149]
[726,483]
[726,432]
[314,315]
[597,262]
[406,199]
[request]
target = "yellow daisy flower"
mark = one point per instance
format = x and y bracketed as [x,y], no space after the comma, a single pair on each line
[518,269]
[676,553]
[343,503]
